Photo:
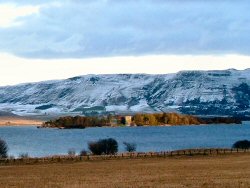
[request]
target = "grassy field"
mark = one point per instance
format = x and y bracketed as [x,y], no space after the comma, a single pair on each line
[230,170]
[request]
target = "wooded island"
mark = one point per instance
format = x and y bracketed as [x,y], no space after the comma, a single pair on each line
[157,119]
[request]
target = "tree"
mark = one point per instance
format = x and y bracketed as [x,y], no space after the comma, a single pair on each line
[95,148]
[138,119]
[165,118]
[151,119]
[123,120]
[242,144]
[130,147]
[103,146]
[3,149]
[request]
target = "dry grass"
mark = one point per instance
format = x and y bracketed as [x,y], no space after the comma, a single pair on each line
[18,121]
[230,170]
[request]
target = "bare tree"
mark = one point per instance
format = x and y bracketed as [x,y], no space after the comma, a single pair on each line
[3,149]
[130,147]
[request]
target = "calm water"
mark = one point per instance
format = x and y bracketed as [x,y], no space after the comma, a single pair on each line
[43,142]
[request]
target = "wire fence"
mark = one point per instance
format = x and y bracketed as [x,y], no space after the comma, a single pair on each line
[128,155]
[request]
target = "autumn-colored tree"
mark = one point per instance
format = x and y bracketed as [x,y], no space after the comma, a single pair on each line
[149,119]
[138,119]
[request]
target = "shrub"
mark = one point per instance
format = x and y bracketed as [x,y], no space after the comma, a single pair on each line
[11,157]
[103,146]
[23,155]
[242,144]
[3,149]
[83,152]
[71,152]
[130,147]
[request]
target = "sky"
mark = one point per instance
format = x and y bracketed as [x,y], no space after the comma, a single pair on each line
[49,39]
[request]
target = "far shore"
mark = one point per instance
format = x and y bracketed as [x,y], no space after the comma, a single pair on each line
[118,126]
[19,121]
[30,121]
[37,123]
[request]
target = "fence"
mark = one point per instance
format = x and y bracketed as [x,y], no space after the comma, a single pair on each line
[134,155]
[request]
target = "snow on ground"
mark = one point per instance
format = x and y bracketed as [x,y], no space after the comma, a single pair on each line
[123,92]
[117,108]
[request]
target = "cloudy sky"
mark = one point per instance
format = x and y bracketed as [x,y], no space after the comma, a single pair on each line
[41,40]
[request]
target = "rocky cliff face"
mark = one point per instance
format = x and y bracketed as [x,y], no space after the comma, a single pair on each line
[193,92]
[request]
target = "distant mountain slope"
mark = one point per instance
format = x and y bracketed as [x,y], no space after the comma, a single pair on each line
[7,114]
[224,92]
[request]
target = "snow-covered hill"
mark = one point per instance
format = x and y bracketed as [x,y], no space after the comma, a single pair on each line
[194,92]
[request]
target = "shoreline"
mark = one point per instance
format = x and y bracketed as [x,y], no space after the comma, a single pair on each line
[167,125]
[15,122]
[39,125]
[22,121]
[20,125]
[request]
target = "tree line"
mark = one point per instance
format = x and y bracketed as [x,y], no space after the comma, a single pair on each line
[153,119]
[77,122]
[165,119]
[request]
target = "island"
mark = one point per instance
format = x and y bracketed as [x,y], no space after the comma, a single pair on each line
[153,119]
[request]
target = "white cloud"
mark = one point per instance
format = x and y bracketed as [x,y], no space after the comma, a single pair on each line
[97,28]
[10,14]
